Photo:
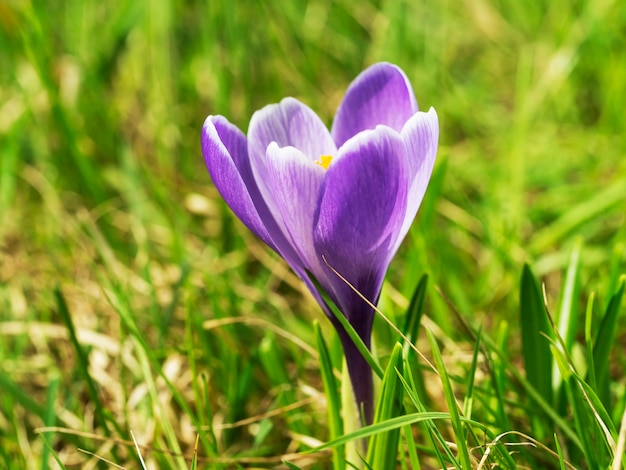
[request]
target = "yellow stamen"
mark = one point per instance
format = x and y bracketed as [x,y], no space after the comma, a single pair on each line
[324,161]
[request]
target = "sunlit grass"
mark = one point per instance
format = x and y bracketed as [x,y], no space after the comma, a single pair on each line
[132,301]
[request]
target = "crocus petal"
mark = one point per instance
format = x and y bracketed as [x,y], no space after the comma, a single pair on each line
[225,150]
[361,208]
[420,136]
[292,189]
[289,123]
[381,95]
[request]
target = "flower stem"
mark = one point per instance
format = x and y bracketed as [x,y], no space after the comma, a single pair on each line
[355,450]
[361,380]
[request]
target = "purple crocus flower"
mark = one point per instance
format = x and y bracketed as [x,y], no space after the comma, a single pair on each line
[347,196]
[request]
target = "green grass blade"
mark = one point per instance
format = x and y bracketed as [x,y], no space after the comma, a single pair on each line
[499,376]
[415,311]
[51,451]
[471,375]
[535,346]
[389,425]
[10,388]
[599,410]
[619,455]
[437,439]
[604,342]
[83,361]
[411,448]
[453,408]
[619,410]
[559,452]
[383,448]
[591,368]
[567,319]
[586,419]
[411,329]
[333,398]
[50,417]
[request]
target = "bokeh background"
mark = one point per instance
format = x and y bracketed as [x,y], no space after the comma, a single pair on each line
[112,235]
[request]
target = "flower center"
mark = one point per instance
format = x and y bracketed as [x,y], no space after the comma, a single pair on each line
[324,161]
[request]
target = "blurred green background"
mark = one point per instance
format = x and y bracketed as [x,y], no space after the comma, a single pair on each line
[105,197]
